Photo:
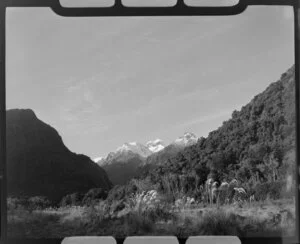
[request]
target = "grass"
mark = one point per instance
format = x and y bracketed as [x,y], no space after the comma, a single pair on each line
[268,218]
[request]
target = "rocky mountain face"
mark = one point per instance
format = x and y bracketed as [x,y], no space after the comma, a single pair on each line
[123,164]
[39,164]
[155,146]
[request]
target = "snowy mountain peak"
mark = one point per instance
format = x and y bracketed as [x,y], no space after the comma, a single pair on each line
[124,147]
[156,145]
[134,147]
[98,159]
[187,139]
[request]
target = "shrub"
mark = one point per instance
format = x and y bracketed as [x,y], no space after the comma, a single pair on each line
[141,185]
[185,202]
[94,215]
[38,202]
[94,195]
[276,190]
[149,205]
[116,193]
[272,190]
[25,202]
[141,202]
[138,224]
[115,207]
[14,203]
[160,212]
[73,199]
[218,223]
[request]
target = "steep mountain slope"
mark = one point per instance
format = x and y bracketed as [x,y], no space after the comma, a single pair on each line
[123,164]
[38,163]
[256,145]
[121,171]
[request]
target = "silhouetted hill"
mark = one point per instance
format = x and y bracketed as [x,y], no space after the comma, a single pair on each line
[38,162]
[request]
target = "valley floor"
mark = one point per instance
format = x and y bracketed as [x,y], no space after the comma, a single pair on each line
[268,218]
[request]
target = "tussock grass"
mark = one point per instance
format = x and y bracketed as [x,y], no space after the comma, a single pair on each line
[275,218]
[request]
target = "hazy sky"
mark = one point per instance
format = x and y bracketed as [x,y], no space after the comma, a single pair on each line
[105,81]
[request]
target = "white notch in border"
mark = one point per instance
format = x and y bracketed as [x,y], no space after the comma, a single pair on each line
[89,240]
[151,240]
[211,3]
[213,240]
[149,3]
[86,3]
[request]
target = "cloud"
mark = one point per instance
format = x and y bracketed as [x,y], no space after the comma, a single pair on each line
[88,96]
[79,102]
[199,94]
[75,120]
[206,118]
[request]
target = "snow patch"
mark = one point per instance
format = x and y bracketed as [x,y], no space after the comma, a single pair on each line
[155,146]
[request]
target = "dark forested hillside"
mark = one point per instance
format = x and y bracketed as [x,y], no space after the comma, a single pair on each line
[121,171]
[162,156]
[39,164]
[256,145]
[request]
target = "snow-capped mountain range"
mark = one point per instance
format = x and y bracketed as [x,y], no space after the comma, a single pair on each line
[135,148]
[132,158]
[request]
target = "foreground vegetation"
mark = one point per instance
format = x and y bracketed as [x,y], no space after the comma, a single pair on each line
[150,214]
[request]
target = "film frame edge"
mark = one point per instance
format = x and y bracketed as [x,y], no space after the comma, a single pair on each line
[116,10]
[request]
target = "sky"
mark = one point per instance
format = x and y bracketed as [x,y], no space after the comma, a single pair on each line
[101,82]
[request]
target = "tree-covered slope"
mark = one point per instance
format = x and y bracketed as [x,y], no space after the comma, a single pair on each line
[256,145]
